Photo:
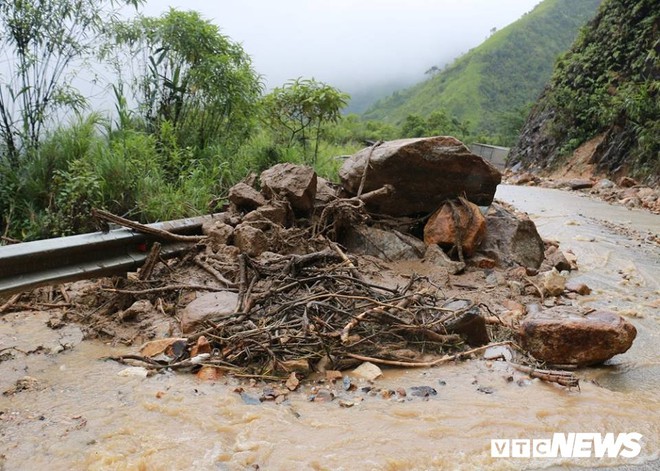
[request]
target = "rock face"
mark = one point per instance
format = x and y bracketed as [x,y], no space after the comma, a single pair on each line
[563,338]
[441,227]
[296,183]
[424,172]
[512,240]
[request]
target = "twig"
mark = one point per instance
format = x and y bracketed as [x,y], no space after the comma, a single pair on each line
[425,364]
[242,279]
[386,190]
[162,234]
[150,263]
[345,332]
[540,291]
[344,257]
[65,295]
[216,274]
[167,288]
[366,167]
[10,302]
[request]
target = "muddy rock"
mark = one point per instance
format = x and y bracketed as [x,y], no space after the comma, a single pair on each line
[276,212]
[295,183]
[561,337]
[26,383]
[245,198]
[577,287]
[424,173]
[553,283]
[579,184]
[627,182]
[435,255]
[325,192]
[207,306]
[525,178]
[556,259]
[441,228]
[604,184]
[250,240]
[511,239]
[467,322]
[386,244]
[138,310]
[219,234]
[368,371]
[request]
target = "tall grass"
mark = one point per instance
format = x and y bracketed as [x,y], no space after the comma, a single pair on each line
[143,176]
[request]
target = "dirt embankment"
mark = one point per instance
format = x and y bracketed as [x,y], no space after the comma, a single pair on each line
[580,173]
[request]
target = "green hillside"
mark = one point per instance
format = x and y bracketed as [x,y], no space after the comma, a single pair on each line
[496,80]
[607,86]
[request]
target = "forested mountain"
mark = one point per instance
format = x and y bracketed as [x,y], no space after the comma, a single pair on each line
[492,84]
[607,87]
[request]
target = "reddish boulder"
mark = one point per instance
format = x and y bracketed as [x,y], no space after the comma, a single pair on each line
[295,183]
[442,229]
[560,337]
[424,173]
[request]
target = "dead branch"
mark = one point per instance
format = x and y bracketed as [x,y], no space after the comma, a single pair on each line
[426,364]
[159,233]
[13,300]
[564,378]
[366,167]
[162,289]
[216,274]
[150,262]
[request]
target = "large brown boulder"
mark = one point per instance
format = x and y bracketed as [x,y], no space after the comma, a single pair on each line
[564,338]
[424,173]
[296,183]
[511,239]
[461,220]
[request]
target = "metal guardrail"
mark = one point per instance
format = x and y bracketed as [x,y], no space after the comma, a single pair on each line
[31,264]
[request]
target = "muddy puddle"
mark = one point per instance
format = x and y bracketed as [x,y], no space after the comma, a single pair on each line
[80,412]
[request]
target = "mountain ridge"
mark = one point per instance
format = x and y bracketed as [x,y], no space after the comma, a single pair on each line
[485,84]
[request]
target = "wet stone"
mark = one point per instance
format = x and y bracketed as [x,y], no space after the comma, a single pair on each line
[562,337]
[423,391]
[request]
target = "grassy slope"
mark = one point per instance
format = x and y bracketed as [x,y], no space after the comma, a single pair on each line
[501,75]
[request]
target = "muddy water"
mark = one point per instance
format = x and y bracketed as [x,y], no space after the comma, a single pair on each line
[83,415]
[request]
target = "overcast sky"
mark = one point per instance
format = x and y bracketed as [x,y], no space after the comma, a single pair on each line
[352,43]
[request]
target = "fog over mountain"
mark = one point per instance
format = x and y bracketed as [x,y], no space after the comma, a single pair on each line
[353,45]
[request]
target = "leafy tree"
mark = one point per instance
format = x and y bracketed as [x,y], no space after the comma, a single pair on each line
[42,40]
[191,77]
[414,126]
[301,107]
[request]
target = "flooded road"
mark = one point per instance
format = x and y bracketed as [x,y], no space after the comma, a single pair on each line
[83,413]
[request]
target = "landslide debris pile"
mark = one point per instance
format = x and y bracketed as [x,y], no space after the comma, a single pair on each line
[289,277]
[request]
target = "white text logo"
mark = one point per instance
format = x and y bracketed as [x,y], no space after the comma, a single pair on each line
[569,445]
